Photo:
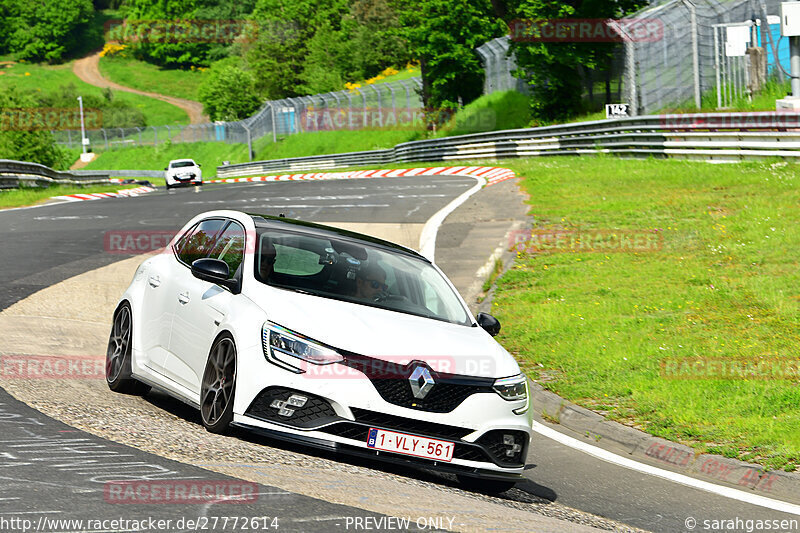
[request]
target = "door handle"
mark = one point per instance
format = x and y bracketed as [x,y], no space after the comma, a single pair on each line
[184,297]
[155,281]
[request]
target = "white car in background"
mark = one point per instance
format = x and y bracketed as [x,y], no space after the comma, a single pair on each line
[326,338]
[183,172]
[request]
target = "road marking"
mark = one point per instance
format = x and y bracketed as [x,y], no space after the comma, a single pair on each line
[427,239]
[613,458]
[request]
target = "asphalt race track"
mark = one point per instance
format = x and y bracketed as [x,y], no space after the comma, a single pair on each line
[49,469]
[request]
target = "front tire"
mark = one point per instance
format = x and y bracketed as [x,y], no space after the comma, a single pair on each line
[118,355]
[218,386]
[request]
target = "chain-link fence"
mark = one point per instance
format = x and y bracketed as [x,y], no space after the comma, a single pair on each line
[379,105]
[599,86]
[681,68]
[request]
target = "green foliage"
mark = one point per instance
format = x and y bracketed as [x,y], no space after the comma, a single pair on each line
[154,29]
[44,30]
[553,69]
[228,93]
[24,145]
[307,46]
[443,35]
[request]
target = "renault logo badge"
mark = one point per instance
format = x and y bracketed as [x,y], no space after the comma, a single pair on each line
[421,382]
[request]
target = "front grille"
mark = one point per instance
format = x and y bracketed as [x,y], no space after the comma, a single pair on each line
[493,443]
[316,411]
[409,425]
[392,383]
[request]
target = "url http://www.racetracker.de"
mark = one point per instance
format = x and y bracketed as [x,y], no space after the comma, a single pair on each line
[47,524]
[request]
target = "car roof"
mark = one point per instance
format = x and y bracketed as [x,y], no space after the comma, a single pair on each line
[321,230]
[181,160]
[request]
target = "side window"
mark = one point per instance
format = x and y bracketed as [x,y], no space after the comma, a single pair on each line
[296,261]
[184,239]
[201,241]
[230,247]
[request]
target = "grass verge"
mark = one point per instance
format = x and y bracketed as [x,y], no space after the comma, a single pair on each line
[723,285]
[26,196]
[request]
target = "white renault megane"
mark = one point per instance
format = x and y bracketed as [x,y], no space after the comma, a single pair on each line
[326,337]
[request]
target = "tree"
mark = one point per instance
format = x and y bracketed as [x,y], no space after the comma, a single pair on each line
[443,35]
[229,93]
[25,144]
[553,69]
[284,30]
[45,30]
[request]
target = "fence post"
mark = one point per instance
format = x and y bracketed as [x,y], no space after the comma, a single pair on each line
[155,136]
[249,142]
[105,136]
[695,52]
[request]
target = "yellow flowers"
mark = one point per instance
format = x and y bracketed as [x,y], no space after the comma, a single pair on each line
[111,49]
[352,86]
[27,73]
[389,71]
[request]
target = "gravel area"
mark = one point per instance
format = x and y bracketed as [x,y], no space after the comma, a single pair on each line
[164,426]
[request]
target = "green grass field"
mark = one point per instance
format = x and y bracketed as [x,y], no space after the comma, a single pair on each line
[36,195]
[212,154]
[47,78]
[596,327]
[208,154]
[151,78]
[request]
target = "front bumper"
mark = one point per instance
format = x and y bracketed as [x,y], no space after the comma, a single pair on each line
[340,412]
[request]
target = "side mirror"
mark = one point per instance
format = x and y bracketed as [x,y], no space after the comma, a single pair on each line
[199,165]
[489,323]
[214,271]
[166,168]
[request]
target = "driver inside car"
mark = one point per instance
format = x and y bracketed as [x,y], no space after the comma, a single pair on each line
[371,283]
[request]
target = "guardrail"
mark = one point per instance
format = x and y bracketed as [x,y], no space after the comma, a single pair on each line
[123,173]
[703,136]
[16,173]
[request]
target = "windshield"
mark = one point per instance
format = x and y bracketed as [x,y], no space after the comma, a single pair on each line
[356,272]
[179,164]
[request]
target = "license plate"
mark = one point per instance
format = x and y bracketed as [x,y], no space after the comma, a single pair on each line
[392,441]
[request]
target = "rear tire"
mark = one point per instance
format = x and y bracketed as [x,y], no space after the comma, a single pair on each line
[218,386]
[118,355]
[484,486]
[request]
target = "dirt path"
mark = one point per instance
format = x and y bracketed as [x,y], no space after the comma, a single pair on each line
[87,69]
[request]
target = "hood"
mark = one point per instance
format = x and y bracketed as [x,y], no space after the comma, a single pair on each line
[387,335]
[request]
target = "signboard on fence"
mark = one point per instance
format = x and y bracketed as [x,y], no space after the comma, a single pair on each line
[617,110]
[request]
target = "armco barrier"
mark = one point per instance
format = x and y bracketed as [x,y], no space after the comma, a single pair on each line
[15,173]
[702,136]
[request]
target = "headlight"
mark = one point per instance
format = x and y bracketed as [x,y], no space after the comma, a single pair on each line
[287,349]
[513,388]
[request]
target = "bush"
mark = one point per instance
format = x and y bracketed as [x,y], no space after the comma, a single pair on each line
[229,93]
[24,145]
